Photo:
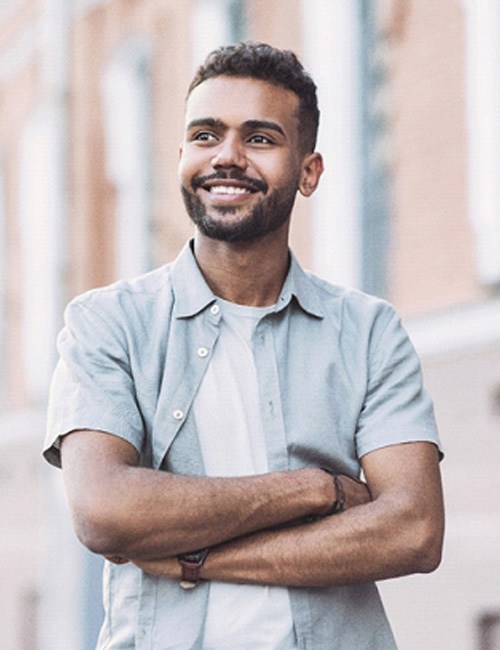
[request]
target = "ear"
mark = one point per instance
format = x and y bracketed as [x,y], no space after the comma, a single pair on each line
[180,152]
[312,168]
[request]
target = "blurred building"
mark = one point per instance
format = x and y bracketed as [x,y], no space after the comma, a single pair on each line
[91,111]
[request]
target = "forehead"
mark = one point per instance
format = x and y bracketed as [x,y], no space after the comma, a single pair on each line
[235,100]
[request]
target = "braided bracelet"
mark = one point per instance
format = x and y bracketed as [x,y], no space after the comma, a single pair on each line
[339,503]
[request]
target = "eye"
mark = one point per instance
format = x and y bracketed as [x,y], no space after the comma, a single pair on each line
[259,138]
[203,136]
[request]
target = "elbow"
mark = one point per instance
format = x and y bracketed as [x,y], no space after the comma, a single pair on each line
[95,537]
[99,531]
[95,541]
[430,558]
[427,560]
[427,546]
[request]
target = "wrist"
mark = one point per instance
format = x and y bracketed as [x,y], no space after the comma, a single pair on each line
[338,503]
[334,493]
[191,564]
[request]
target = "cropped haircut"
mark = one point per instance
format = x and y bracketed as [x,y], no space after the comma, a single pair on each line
[279,67]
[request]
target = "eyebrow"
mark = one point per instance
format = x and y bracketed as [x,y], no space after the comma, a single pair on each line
[264,124]
[248,124]
[207,121]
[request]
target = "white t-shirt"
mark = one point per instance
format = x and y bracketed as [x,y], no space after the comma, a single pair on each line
[227,413]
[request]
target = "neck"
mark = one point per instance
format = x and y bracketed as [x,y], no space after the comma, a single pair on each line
[247,273]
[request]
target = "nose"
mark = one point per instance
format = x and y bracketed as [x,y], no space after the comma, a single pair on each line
[230,153]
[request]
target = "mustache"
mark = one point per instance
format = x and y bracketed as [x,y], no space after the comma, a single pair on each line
[255,183]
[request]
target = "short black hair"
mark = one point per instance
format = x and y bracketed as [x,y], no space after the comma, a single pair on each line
[267,63]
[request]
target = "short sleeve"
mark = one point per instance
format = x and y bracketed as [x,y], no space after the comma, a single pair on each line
[396,409]
[92,386]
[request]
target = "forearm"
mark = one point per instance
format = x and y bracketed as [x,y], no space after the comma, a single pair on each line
[354,547]
[124,510]
[371,542]
[195,512]
[190,512]
[398,533]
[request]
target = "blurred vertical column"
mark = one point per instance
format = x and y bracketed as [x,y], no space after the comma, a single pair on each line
[483,99]
[215,23]
[332,46]
[43,203]
[3,279]
[375,233]
[60,616]
[126,94]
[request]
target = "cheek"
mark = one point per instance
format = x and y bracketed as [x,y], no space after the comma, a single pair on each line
[283,171]
[192,164]
[185,169]
[287,181]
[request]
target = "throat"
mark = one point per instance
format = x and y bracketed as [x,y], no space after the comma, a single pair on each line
[245,274]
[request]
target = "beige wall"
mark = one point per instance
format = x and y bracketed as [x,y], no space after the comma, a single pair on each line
[95,39]
[442,610]
[432,245]
[18,97]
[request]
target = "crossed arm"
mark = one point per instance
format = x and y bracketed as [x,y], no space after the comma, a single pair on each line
[148,517]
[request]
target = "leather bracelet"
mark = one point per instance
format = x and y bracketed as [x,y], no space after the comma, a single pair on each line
[191,564]
[339,503]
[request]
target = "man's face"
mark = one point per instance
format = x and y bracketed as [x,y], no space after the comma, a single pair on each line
[240,161]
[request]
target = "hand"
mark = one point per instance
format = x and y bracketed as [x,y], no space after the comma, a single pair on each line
[356,492]
[116,559]
[168,567]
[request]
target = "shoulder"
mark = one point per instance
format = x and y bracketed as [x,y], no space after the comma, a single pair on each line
[142,288]
[126,304]
[351,305]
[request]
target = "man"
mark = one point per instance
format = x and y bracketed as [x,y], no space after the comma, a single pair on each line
[212,417]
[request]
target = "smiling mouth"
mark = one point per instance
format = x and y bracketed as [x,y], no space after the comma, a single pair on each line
[219,185]
[225,190]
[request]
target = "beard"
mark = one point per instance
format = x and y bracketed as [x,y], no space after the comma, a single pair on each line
[265,217]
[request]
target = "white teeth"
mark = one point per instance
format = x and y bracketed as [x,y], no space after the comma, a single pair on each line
[227,189]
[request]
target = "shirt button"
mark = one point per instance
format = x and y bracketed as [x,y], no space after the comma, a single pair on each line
[202,352]
[214,309]
[178,414]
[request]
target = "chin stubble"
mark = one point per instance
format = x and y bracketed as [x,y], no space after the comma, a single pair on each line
[264,218]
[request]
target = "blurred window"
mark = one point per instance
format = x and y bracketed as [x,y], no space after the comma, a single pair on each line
[127,116]
[42,251]
[375,229]
[3,282]
[332,47]
[483,95]
[215,23]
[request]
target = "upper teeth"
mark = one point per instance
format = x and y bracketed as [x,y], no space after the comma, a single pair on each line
[228,189]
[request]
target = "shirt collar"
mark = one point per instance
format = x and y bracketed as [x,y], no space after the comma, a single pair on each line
[299,285]
[192,293]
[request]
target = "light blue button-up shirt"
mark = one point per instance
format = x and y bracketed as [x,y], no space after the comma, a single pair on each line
[338,378]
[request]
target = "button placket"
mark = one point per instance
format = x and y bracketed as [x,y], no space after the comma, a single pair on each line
[272,415]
